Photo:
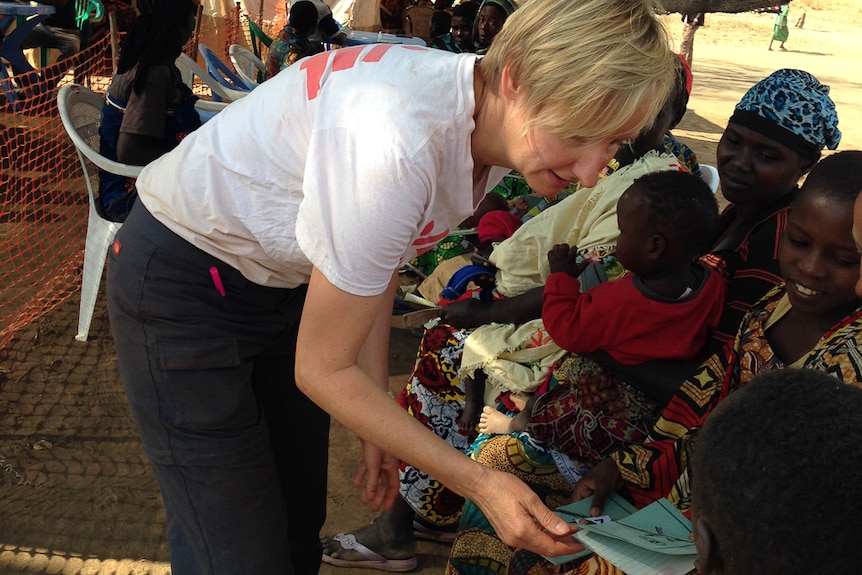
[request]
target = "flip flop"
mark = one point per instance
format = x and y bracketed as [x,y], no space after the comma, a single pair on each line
[421,531]
[372,560]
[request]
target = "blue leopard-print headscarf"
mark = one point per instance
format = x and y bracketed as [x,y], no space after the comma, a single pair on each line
[793,108]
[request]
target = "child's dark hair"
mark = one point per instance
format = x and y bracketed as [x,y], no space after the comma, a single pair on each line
[466,10]
[837,176]
[441,22]
[679,95]
[679,206]
[776,475]
[303,16]
[156,36]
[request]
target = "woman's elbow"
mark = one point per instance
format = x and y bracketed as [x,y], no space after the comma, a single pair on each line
[305,374]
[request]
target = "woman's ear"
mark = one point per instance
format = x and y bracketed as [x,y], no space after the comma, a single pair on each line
[509,84]
[807,163]
[709,560]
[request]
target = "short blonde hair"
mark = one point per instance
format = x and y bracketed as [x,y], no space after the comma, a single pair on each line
[586,66]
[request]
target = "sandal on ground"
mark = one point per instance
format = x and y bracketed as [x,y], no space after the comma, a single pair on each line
[421,531]
[372,559]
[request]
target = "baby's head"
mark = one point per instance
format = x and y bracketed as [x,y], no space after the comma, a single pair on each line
[666,220]
[776,478]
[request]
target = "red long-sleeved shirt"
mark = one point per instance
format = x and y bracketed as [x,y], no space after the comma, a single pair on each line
[632,328]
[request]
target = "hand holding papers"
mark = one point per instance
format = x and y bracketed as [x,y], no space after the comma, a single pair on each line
[653,541]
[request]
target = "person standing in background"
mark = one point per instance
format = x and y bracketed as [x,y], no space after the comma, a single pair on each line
[292,42]
[691,23]
[780,31]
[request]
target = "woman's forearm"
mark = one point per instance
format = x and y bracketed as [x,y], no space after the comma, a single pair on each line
[518,309]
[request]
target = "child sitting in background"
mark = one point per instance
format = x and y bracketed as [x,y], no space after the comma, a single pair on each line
[441,22]
[663,309]
[758,473]
[292,42]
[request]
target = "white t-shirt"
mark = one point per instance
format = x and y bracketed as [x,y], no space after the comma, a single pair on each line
[353,160]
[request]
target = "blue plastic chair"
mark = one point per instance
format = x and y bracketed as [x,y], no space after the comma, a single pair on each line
[221,73]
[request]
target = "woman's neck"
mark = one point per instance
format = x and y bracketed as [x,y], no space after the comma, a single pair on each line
[486,141]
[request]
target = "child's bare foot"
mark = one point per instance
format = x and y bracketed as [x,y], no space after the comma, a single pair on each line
[493,421]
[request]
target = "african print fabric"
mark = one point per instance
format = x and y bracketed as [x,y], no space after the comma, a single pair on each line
[434,395]
[659,468]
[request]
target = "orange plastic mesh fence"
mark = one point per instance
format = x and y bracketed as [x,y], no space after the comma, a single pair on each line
[43,197]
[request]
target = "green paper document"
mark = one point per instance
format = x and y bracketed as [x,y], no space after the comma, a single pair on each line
[652,541]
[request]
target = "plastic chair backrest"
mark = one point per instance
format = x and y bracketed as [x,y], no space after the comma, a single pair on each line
[189,69]
[417,21]
[710,176]
[81,114]
[220,71]
[249,67]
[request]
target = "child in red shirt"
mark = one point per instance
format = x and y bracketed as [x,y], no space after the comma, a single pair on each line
[663,309]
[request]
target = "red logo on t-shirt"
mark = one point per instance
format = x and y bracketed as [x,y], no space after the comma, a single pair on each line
[425,241]
[342,59]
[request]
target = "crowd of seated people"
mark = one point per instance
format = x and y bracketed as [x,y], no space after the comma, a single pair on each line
[790,267]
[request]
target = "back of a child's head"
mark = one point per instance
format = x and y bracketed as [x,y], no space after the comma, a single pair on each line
[837,177]
[680,207]
[441,22]
[777,479]
[303,16]
[466,10]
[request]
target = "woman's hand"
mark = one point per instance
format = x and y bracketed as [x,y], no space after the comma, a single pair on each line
[379,471]
[600,481]
[521,519]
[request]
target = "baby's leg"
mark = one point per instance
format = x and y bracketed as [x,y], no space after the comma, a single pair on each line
[474,393]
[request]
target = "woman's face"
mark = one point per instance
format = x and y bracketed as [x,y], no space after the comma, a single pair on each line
[755,169]
[491,20]
[819,258]
[462,33]
[857,238]
[550,163]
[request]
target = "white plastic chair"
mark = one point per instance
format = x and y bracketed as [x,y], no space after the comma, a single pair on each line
[189,69]
[710,176]
[81,113]
[248,66]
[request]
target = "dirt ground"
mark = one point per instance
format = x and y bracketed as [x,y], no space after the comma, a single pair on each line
[76,493]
